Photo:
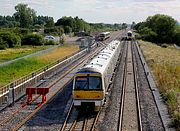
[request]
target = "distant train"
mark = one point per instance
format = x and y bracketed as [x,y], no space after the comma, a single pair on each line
[103,36]
[91,81]
[129,35]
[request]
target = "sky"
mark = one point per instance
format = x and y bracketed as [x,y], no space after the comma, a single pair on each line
[96,11]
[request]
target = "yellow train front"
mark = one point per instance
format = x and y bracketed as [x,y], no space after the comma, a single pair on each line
[88,89]
[91,81]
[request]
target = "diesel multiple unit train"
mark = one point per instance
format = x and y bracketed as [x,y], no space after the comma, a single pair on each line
[92,80]
[129,35]
[103,36]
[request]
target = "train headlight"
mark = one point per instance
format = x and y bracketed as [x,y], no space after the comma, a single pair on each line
[77,96]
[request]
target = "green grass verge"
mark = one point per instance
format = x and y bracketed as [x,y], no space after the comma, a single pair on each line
[18,69]
[13,53]
[165,66]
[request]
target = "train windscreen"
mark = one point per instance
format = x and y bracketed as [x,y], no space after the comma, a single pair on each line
[88,83]
[129,34]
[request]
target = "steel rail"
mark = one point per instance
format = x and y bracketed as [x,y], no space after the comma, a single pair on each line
[136,86]
[123,92]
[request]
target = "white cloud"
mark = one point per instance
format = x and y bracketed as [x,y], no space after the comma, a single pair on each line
[108,11]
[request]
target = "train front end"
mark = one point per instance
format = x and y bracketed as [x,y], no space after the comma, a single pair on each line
[88,90]
[129,35]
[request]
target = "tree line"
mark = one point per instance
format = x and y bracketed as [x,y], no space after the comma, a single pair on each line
[17,30]
[26,17]
[159,29]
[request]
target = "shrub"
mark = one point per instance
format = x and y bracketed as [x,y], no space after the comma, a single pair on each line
[3,44]
[49,42]
[62,40]
[11,39]
[171,100]
[50,30]
[138,36]
[177,38]
[33,39]
[176,121]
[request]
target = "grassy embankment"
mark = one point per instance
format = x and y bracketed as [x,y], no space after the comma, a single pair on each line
[13,53]
[165,65]
[26,66]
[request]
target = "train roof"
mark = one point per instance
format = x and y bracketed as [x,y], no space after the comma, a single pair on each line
[105,33]
[129,31]
[101,61]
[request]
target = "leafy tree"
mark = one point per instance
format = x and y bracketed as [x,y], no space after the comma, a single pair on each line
[67,29]
[163,25]
[132,25]
[66,21]
[10,39]
[3,44]
[158,28]
[54,30]
[148,34]
[24,15]
[124,25]
[60,31]
[79,24]
[176,38]
[49,23]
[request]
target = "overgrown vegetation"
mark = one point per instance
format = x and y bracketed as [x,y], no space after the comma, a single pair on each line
[159,29]
[165,64]
[23,67]
[9,39]
[33,39]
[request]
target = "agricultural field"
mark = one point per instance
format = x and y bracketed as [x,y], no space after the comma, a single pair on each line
[165,66]
[25,66]
[13,53]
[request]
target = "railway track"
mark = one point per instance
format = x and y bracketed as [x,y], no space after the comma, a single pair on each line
[80,120]
[14,117]
[84,120]
[129,111]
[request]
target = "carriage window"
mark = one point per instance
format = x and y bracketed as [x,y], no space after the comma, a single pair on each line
[88,83]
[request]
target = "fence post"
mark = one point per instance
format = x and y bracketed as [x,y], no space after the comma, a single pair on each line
[11,94]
